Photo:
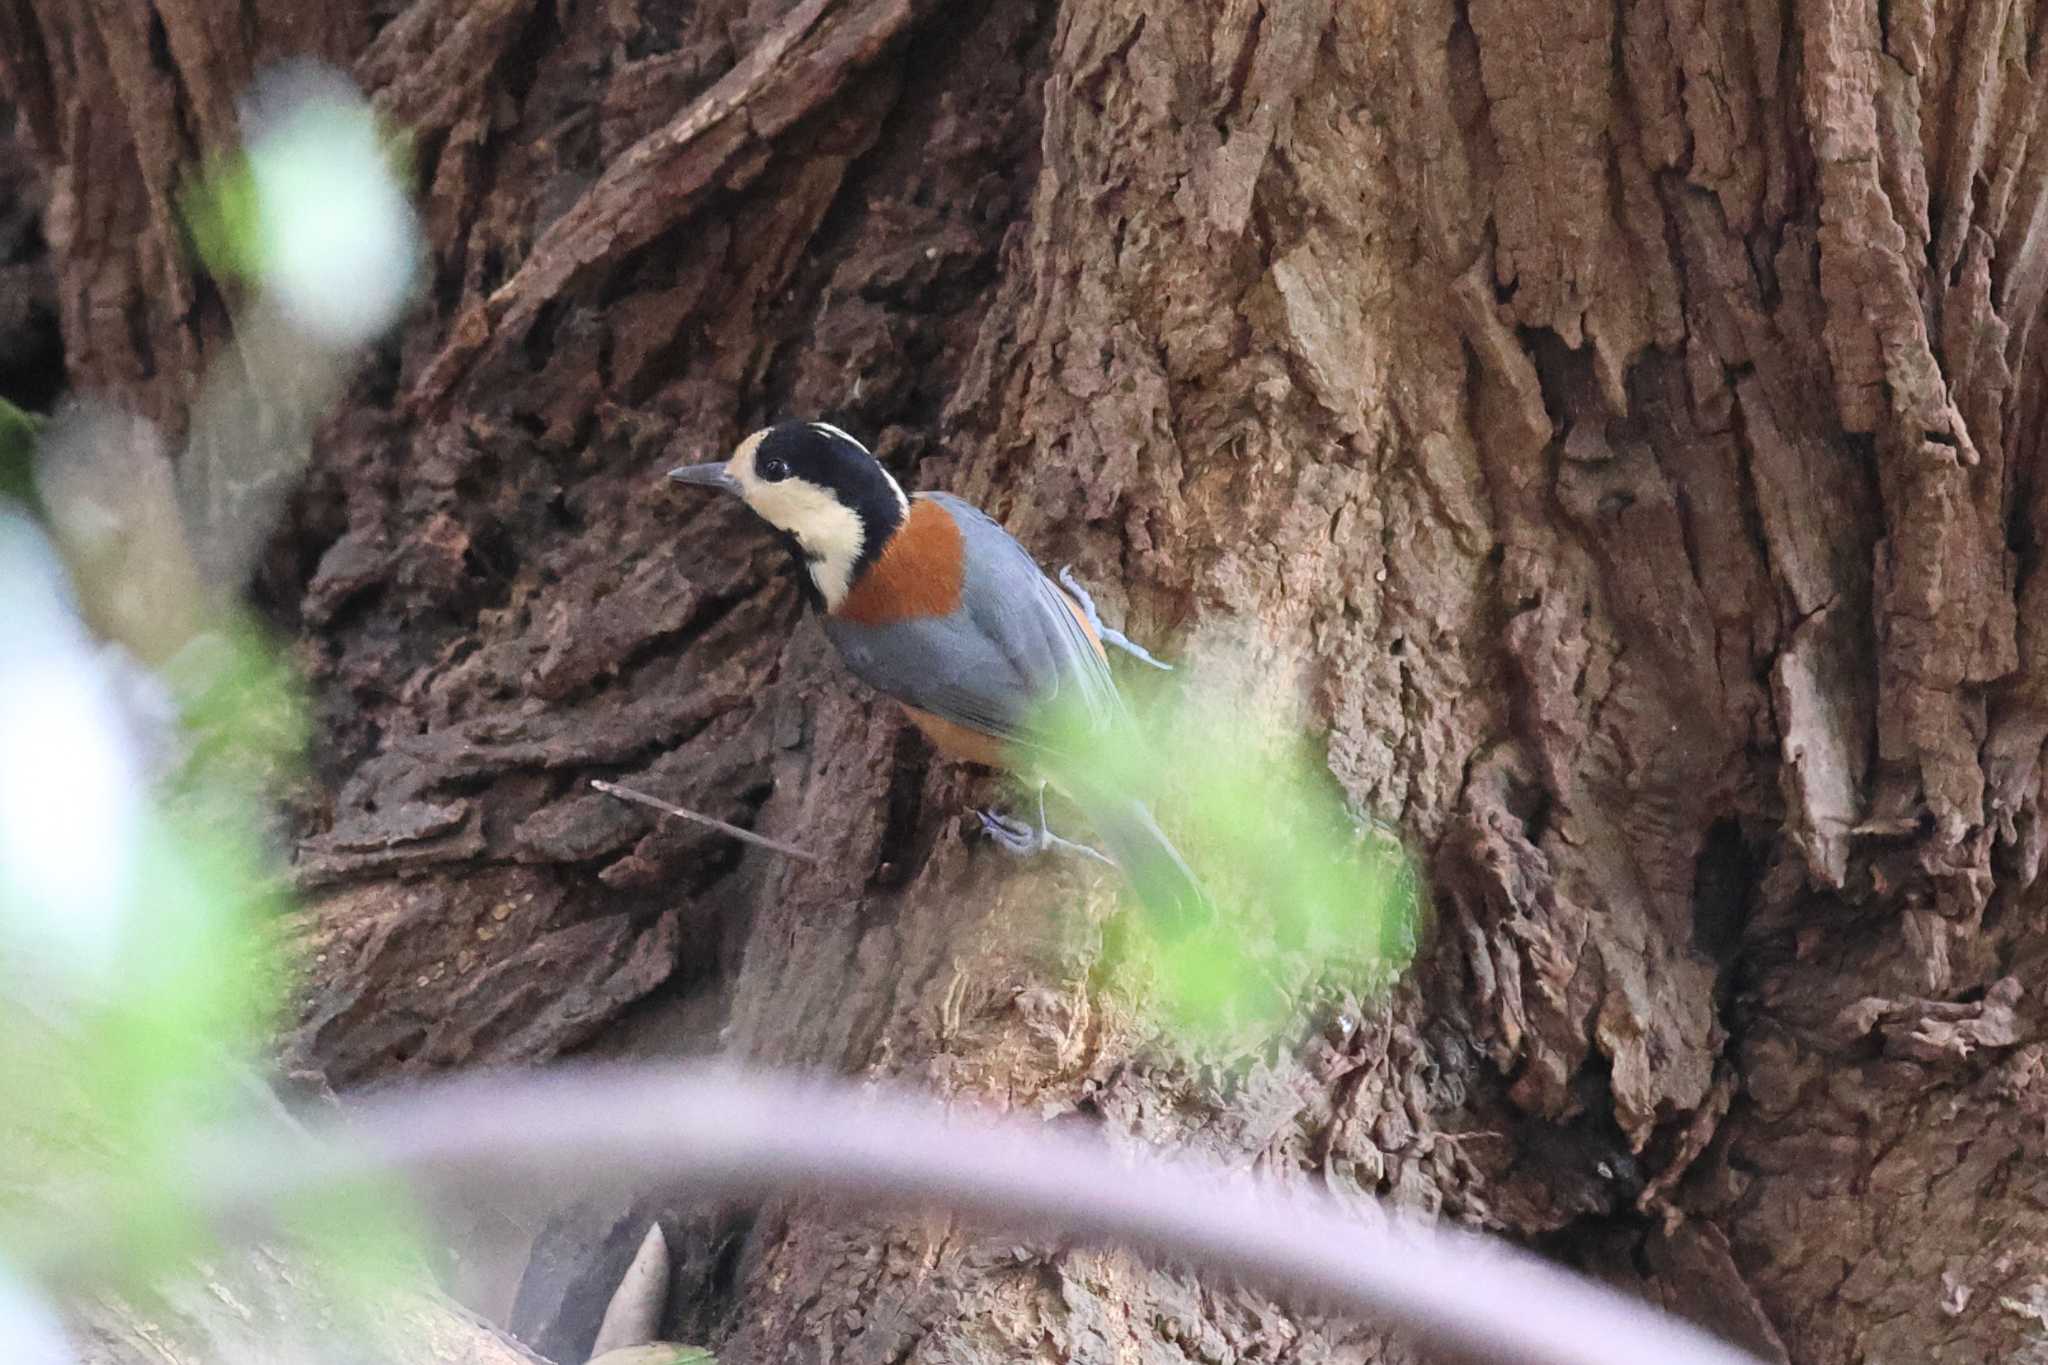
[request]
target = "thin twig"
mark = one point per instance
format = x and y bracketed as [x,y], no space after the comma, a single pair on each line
[745,835]
[724,1130]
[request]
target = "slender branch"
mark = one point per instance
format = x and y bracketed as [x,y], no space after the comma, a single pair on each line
[724,1130]
[734,831]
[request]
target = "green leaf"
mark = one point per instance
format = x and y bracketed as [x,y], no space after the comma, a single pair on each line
[656,1353]
[1312,903]
[244,713]
[107,1084]
[19,432]
[223,214]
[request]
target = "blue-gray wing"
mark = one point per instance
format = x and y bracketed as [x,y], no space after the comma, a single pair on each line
[1012,646]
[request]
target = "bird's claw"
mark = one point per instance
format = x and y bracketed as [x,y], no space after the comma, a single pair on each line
[1103,632]
[1020,840]
[1012,836]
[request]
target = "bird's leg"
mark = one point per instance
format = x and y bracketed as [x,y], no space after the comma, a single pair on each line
[1021,840]
[1108,636]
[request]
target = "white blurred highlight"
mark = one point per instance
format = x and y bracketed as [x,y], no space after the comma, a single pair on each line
[339,242]
[29,1332]
[72,784]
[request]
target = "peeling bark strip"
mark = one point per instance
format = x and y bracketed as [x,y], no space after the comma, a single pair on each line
[1616,428]
[663,178]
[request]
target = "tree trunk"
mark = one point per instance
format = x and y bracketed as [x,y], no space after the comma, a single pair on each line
[274,1309]
[1609,424]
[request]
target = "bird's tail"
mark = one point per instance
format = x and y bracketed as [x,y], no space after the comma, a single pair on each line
[1162,879]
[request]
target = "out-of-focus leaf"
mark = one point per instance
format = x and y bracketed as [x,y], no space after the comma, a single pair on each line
[313,209]
[1310,901]
[656,1353]
[71,797]
[120,1077]
[369,1235]
[109,488]
[312,216]
[19,432]
[29,1332]
[244,716]
[224,218]
[140,937]
[139,905]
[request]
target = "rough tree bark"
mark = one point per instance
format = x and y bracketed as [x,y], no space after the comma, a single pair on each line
[1613,424]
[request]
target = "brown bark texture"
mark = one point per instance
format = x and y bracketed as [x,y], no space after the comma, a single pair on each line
[1608,424]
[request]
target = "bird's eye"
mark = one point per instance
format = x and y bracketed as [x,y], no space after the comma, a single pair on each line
[774,471]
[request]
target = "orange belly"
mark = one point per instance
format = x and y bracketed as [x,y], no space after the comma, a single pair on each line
[1082,618]
[956,741]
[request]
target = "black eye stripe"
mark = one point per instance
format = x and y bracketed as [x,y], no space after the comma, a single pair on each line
[774,471]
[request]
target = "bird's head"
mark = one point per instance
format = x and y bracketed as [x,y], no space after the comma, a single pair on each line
[829,497]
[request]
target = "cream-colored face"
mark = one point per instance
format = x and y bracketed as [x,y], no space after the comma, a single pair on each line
[830,532]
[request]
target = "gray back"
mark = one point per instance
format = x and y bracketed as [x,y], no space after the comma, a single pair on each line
[1012,645]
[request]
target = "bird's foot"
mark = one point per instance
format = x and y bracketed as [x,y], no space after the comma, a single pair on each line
[1108,636]
[1020,840]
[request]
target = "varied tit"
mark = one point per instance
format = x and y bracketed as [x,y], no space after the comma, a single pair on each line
[933,604]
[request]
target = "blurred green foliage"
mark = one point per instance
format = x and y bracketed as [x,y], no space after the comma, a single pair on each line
[243,716]
[109,1071]
[111,1076]
[1311,902]
[18,433]
[223,214]
[222,206]
[657,1353]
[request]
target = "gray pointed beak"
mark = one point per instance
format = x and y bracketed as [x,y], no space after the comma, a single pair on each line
[711,475]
